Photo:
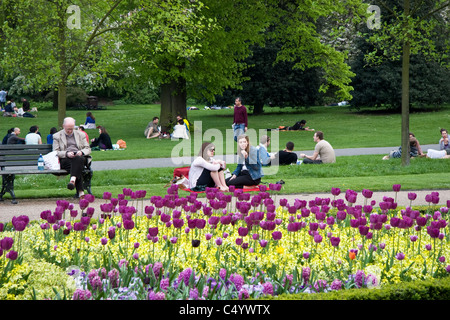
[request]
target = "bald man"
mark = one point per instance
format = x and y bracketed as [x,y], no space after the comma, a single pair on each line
[72,147]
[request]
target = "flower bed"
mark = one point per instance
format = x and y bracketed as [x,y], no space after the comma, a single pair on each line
[231,245]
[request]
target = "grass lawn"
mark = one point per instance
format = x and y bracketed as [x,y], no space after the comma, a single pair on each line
[342,128]
[355,172]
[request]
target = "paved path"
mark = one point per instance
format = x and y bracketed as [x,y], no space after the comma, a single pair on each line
[185,161]
[33,207]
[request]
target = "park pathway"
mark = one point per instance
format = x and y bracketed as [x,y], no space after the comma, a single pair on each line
[33,207]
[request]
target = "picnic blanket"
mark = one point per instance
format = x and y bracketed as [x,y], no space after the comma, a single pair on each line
[256,188]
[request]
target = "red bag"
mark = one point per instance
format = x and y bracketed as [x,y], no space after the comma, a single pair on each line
[183,171]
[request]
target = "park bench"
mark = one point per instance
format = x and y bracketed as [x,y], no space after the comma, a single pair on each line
[21,159]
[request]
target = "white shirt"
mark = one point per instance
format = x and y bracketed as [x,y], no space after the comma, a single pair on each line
[32,138]
[196,170]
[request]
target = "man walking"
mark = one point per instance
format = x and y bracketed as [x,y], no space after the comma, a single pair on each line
[240,121]
[323,149]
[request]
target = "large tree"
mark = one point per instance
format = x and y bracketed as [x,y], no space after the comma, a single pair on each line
[198,49]
[54,43]
[407,28]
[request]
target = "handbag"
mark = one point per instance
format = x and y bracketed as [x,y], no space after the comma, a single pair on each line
[51,161]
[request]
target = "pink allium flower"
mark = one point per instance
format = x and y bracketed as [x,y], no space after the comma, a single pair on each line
[336,285]
[156,296]
[81,294]
[243,294]
[268,288]
[237,280]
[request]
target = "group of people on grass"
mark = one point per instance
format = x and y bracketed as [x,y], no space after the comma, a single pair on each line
[206,171]
[10,109]
[415,150]
[180,129]
[102,142]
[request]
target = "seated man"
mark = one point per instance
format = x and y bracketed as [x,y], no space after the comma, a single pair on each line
[264,155]
[323,150]
[287,156]
[14,137]
[152,130]
[72,147]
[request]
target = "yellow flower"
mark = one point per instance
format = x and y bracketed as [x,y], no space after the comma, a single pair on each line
[280,250]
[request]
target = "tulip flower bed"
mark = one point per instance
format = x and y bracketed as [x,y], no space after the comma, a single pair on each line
[229,246]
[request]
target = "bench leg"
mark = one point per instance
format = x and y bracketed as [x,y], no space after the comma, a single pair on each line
[87,176]
[8,186]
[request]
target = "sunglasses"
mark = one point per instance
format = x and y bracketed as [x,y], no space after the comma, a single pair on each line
[212,150]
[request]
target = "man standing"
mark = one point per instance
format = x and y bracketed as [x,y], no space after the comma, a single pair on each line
[72,147]
[3,94]
[287,156]
[323,149]
[240,121]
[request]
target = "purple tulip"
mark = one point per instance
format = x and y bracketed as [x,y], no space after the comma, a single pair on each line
[6,243]
[263,243]
[335,191]
[396,187]
[400,256]
[242,231]
[341,215]
[12,255]
[335,241]
[128,224]
[173,240]
[412,196]
[367,193]
[219,241]
[178,223]
[317,238]
[363,230]
[276,235]
[433,232]
[313,226]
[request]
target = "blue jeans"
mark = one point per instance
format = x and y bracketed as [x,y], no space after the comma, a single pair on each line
[239,128]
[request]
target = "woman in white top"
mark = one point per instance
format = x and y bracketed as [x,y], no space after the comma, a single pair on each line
[205,171]
[33,137]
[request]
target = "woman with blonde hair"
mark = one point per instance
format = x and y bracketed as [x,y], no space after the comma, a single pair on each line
[205,171]
[249,169]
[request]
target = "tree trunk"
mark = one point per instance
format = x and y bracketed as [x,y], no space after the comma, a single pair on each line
[405,95]
[258,107]
[61,104]
[173,103]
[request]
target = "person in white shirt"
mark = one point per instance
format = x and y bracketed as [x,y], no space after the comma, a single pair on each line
[33,137]
[206,171]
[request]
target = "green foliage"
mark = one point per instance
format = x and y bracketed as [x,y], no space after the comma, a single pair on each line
[435,289]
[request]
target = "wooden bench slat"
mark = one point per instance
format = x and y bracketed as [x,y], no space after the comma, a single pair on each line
[15,156]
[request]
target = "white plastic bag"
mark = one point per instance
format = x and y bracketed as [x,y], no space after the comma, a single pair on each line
[51,161]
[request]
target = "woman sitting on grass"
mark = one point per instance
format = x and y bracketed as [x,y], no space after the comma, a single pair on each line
[248,172]
[90,121]
[206,171]
[103,142]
